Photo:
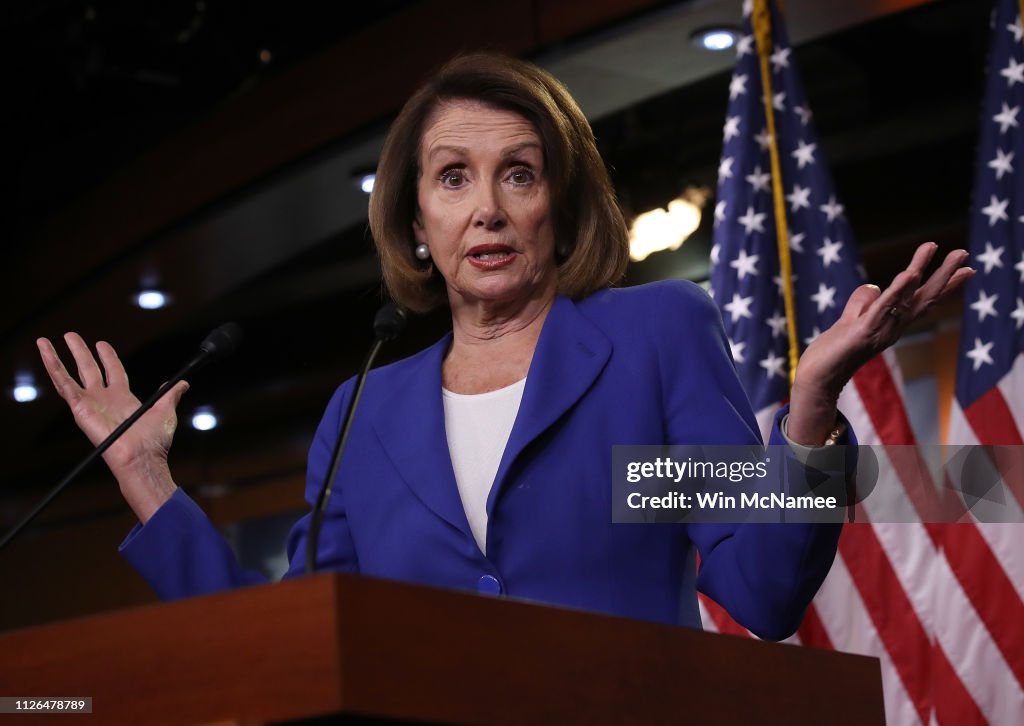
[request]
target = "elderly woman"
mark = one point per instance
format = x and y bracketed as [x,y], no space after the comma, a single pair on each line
[484,462]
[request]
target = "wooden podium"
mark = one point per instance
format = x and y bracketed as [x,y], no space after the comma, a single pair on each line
[348,646]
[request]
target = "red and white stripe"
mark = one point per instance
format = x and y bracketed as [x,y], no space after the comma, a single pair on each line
[941,606]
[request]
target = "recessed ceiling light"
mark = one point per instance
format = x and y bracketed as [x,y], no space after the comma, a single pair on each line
[151,299]
[715,38]
[24,389]
[204,419]
[366,182]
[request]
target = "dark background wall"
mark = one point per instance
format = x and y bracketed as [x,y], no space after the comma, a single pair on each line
[212,148]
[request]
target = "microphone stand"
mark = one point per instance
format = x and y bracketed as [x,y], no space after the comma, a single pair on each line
[388,323]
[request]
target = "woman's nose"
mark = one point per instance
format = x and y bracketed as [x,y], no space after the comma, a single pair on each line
[488,211]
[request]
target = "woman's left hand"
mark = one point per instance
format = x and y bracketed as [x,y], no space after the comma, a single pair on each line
[871,321]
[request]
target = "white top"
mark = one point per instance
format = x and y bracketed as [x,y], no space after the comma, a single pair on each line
[478,426]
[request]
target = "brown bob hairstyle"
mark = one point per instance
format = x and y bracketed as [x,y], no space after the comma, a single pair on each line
[590,232]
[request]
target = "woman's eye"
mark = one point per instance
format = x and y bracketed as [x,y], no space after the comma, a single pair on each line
[521,176]
[452,177]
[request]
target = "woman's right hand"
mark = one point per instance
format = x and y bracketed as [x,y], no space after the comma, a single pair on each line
[139,458]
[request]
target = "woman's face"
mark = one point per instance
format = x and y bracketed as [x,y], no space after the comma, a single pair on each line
[485,205]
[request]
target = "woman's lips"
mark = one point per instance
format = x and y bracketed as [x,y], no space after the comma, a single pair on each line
[490,257]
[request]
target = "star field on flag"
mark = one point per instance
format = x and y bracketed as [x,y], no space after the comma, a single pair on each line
[745,273]
[992,336]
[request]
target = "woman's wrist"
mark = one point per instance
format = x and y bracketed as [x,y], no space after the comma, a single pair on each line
[812,415]
[146,485]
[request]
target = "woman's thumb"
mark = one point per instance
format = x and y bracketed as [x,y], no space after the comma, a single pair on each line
[177,392]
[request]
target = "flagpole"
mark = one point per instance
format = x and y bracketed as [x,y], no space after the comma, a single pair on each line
[1021,16]
[762,23]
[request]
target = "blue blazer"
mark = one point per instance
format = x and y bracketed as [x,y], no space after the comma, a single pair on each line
[641,365]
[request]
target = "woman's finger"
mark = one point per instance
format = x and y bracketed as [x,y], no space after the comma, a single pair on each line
[112,366]
[939,283]
[894,300]
[88,371]
[860,300]
[65,385]
[957,280]
[175,394]
[922,257]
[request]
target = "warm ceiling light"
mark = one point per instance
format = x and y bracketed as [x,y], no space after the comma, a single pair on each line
[151,299]
[715,38]
[666,229]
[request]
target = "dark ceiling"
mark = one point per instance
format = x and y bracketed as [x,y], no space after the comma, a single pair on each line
[98,82]
[97,86]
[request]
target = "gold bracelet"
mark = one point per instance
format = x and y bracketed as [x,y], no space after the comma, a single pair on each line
[836,434]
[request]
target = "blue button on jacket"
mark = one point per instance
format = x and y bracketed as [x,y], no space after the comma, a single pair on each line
[640,365]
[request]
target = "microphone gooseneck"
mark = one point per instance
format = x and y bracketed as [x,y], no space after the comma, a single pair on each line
[220,343]
[388,324]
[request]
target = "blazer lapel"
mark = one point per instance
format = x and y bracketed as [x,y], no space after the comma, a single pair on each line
[570,354]
[409,419]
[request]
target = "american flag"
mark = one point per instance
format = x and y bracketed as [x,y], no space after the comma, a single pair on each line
[895,590]
[987,560]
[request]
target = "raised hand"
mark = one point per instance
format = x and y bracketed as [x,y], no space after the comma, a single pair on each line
[99,401]
[871,321]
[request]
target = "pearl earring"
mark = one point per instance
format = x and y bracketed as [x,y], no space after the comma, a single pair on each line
[422,252]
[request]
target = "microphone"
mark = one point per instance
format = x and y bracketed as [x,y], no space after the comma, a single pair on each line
[220,343]
[388,324]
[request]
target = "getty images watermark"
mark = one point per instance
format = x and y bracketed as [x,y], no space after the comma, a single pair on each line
[732,484]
